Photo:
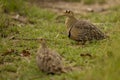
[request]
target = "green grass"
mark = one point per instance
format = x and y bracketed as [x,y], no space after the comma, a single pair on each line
[14,6]
[103,66]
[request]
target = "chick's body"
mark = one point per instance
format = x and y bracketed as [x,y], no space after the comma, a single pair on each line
[49,61]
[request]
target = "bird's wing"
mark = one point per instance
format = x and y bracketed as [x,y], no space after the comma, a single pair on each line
[56,55]
[85,30]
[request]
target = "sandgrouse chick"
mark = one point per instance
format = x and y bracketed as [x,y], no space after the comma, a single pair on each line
[48,60]
[80,30]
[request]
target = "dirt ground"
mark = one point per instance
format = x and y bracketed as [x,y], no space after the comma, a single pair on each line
[77,7]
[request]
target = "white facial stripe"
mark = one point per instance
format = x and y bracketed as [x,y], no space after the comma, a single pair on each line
[67,11]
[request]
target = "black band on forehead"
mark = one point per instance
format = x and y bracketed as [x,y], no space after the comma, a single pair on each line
[67,11]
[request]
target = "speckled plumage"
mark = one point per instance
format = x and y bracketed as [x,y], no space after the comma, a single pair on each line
[80,30]
[48,60]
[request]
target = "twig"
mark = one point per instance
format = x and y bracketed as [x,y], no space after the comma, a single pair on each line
[27,39]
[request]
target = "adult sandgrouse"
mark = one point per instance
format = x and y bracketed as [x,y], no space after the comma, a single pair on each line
[48,60]
[80,30]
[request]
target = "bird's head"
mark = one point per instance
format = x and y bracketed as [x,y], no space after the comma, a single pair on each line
[67,13]
[43,42]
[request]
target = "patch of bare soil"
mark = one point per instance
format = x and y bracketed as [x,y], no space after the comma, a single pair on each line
[77,7]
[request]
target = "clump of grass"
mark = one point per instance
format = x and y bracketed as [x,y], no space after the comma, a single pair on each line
[7,6]
[13,6]
[4,24]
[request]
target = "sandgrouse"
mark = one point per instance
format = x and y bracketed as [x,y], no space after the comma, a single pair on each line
[48,60]
[80,30]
